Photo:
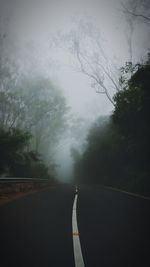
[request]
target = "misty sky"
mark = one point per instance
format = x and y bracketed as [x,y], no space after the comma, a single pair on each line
[36,27]
[38,33]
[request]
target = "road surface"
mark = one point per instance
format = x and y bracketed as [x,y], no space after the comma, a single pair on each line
[36,230]
[114,229]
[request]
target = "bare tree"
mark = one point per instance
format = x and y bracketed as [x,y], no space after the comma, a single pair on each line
[138,9]
[93,62]
[131,20]
[133,9]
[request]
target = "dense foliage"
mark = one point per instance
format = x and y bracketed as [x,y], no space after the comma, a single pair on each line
[117,151]
[16,160]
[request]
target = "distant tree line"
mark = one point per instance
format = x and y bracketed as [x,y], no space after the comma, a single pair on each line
[32,118]
[117,152]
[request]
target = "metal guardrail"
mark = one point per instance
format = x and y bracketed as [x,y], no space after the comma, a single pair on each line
[16,179]
[18,184]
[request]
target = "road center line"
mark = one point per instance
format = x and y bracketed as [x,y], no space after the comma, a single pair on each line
[75,233]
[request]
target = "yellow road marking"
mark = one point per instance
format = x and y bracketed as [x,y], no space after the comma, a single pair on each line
[75,234]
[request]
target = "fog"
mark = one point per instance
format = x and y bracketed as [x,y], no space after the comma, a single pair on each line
[39,41]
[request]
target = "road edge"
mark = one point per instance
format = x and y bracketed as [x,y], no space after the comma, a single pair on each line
[21,195]
[126,192]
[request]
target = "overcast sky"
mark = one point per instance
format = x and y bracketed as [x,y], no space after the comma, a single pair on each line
[39,26]
[34,24]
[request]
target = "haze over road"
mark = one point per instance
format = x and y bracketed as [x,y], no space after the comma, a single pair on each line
[114,228]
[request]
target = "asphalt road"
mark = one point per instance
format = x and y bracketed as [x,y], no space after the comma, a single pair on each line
[36,230]
[114,228]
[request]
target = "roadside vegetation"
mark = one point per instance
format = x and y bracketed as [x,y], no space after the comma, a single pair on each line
[32,118]
[117,150]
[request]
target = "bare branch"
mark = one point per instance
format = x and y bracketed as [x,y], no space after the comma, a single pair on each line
[139,15]
[109,76]
[90,71]
[136,14]
[93,75]
[90,75]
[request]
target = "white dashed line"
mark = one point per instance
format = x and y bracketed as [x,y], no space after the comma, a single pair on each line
[76,240]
